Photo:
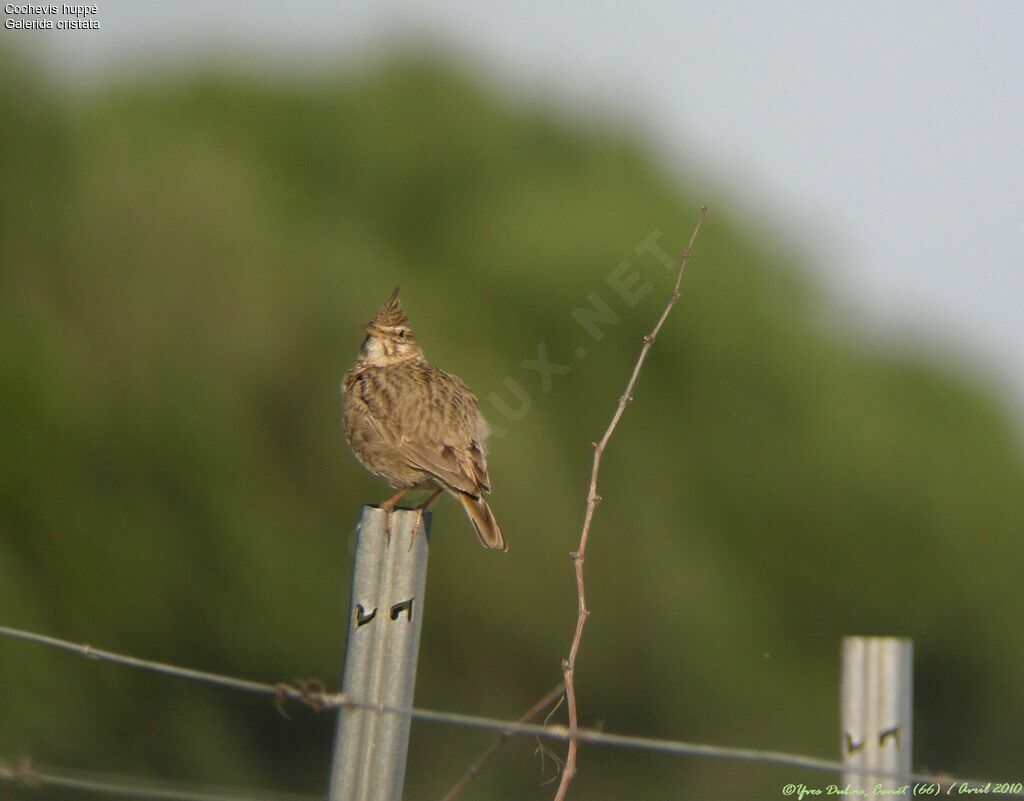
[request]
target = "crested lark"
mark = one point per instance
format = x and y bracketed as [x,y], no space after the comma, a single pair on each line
[415,426]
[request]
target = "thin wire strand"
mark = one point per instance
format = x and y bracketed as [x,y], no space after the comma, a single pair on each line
[324,700]
[309,692]
[593,499]
[22,772]
[493,748]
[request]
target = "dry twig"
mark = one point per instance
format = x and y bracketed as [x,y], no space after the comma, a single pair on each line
[593,499]
[494,747]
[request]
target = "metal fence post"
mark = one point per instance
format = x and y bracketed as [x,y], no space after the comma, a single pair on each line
[876,709]
[385,617]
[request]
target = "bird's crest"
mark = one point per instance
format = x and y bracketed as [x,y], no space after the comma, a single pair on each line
[391,314]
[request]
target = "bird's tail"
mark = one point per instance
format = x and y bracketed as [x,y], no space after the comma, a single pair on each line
[483,521]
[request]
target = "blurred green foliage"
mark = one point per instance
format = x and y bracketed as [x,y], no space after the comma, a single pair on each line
[186,263]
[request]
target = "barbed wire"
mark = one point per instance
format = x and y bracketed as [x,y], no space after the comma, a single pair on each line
[310,693]
[307,691]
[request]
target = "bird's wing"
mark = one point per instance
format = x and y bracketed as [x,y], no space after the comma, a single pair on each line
[448,441]
[362,405]
[452,464]
[479,463]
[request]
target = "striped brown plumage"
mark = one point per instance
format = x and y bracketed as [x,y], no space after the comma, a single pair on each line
[416,426]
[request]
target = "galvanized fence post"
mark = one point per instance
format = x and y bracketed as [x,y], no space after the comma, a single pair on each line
[385,618]
[876,709]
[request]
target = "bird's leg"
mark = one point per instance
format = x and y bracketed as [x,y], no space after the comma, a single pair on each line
[389,506]
[419,514]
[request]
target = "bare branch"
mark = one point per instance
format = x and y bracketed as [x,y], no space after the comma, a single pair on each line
[579,555]
[496,746]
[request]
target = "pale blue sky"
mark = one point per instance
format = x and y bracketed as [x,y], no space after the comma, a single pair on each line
[883,140]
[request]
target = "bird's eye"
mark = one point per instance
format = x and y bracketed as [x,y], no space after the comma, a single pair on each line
[401,334]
